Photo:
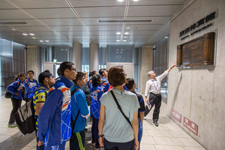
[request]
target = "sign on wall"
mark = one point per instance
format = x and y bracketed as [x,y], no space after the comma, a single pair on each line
[191,125]
[198,26]
[176,115]
[197,52]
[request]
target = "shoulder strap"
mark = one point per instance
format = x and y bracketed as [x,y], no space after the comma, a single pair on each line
[74,121]
[118,105]
[74,91]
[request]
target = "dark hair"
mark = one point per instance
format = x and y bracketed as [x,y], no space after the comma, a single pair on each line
[65,65]
[59,72]
[116,76]
[92,73]
[19,75]
[30,71]
[130,83]
[96,80]
[101,71]
[80,76]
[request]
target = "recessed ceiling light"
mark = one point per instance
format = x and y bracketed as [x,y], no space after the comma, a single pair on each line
[124,40]
[128,28]
[14,29]
[24,34]
[125,37]
[121,52]
[120,0]
[33,37]
[41,41]
[126,33]
[135,0]
[47,41]
[61,49]
[32,34]
[117,40]
[166,37]
[118,33]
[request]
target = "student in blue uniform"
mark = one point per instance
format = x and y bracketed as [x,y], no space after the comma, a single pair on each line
[46,80]
[96,94]
[90,78]
[30,85]
[54,120]
[80,113]
[131,85]
[15,89]
[105,83]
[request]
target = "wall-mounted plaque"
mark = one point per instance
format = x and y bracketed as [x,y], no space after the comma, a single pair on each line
[197,52]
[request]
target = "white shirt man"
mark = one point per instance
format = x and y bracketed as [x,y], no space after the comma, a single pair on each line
[153,87]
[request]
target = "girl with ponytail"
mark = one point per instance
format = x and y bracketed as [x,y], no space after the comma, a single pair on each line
[15,89]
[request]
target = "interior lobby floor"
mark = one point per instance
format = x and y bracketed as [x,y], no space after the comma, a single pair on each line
[168,136]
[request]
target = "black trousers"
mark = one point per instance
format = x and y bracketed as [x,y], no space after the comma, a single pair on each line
[118,146]
[155,100]
[16,103]
[77,141]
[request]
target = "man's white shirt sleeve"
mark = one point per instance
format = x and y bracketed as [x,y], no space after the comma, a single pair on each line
[162,76]
[147,88]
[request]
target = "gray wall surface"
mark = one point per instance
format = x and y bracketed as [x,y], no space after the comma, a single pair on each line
[146,65]
[34,60]
[198,93]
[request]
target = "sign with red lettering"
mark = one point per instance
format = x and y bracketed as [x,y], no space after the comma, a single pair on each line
[176,115]
[191,125]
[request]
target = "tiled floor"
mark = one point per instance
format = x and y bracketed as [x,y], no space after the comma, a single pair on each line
[168,136]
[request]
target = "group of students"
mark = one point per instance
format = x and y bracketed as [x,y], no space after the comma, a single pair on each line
[61,108]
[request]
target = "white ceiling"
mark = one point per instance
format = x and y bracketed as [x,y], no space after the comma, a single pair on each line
[63,22]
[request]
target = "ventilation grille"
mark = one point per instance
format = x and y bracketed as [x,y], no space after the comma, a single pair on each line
[13,23]
[123,21]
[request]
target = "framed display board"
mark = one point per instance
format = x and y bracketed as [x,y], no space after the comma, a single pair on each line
[197,52]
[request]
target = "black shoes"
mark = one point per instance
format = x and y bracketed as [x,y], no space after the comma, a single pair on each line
[155,123]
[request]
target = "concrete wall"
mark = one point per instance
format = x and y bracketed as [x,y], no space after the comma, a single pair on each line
[34,60]
[146,65]
[198,94]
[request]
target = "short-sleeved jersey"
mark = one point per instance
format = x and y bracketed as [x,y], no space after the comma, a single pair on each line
[141,103]
[39,97]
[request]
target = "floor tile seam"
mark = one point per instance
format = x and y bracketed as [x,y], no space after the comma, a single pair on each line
[155,146]
[154,140]
[171,145]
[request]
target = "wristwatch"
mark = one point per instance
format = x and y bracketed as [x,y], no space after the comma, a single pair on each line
[101,135]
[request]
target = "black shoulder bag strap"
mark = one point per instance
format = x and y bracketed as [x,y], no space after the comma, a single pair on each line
[74,121]
[118,105]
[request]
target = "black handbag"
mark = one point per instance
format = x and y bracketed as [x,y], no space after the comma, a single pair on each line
[118,105]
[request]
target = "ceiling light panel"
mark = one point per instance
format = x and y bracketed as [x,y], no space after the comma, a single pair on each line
[124,21]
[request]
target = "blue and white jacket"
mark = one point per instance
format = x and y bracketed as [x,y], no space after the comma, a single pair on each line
[105,84]
[30,88]
[54,120]
[16,86]
[96,94]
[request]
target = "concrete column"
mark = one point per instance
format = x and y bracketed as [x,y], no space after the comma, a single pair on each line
[34,60]
[77,47]
[93,61]
[147,65]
